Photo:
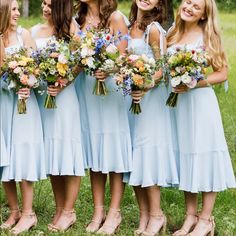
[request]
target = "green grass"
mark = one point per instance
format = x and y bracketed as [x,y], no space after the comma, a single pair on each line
[172,199]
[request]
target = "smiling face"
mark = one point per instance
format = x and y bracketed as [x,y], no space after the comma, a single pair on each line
[146,5]
[46,7]
[192,10]
[15,14]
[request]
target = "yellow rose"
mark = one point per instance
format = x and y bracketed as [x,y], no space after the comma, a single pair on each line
[142,69]
[139,64]
[62,68]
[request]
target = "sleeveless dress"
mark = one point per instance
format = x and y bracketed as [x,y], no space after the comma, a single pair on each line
[154,161]
[62,128]
[27,159]
[205,164]
[105,126]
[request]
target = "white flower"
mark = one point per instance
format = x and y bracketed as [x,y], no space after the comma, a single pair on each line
[151,61]
[12,85]
[32,81]
[175,81]
[111,49]
[90,62]
[186,78]
[62,59]
[86,52]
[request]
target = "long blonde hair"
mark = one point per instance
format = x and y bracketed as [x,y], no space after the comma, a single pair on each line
[5,15]
[211,34]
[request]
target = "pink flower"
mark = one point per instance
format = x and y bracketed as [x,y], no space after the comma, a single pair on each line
[13,64]
[17,70]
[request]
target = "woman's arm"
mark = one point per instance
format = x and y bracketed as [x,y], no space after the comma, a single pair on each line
[28,40]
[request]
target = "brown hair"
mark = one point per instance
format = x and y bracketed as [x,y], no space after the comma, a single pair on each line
[211,34]
[62,13]
[5,15]
[106,8]
[156,14]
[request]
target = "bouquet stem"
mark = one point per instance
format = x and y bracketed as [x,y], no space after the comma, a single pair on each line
[172,99]
[135,108]
[21,106]
[50,102]
[100,88]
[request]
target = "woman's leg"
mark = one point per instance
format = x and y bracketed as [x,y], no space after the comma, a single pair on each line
[98,182]
[191,218]
[157,220]
[28,218]
[142,199]
[113,218]
[58,187]
[11,195]
[206,222]
[68,216]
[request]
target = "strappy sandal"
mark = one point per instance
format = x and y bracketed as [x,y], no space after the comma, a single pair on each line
[7,226]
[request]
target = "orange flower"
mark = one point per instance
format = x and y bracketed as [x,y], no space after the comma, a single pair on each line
[142,69]
[138,80]
[139,64]
[54,55]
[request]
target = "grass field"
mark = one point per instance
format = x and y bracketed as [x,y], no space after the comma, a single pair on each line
[172,199]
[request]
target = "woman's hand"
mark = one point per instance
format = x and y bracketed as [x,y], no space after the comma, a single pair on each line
[100,75]
[54,91]
[24,93]
[182,88]
[137,95]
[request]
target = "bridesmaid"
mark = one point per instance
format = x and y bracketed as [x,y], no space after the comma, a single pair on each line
[26,147]
[5,8]
[205,164]
[61,126]
[154,162]
[105,128]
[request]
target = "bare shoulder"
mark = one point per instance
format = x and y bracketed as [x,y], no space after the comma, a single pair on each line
[116,17]
[154,32]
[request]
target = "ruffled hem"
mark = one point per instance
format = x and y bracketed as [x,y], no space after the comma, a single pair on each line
[108,152]
[64,157]
[153,166]
[27,162]
[206,172]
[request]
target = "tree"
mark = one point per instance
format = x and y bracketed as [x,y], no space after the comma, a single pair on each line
[25,8]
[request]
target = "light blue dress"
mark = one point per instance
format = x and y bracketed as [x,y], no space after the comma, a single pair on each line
[105,127]
[62,129]
[205,164]
[154,160]
[4,158]
[27,159]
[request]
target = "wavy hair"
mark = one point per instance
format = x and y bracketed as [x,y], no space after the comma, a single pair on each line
[211,34]
[5,15]
[62,13]
[106,8]
[158,14]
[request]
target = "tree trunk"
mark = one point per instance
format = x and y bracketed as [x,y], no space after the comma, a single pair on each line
[169,15]
[25,8]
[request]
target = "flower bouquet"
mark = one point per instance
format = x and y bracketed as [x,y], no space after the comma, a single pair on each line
[56,65]
[136,73]
[20,71]
[96,50]
[185,67]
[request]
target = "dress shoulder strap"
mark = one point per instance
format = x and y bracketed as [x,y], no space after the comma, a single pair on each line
[162,35]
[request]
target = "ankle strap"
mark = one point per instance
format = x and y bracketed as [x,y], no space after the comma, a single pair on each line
[28,213]
[190,214]
[114,209]
[210,219]
[157,215]
[68,212]
[14,210]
